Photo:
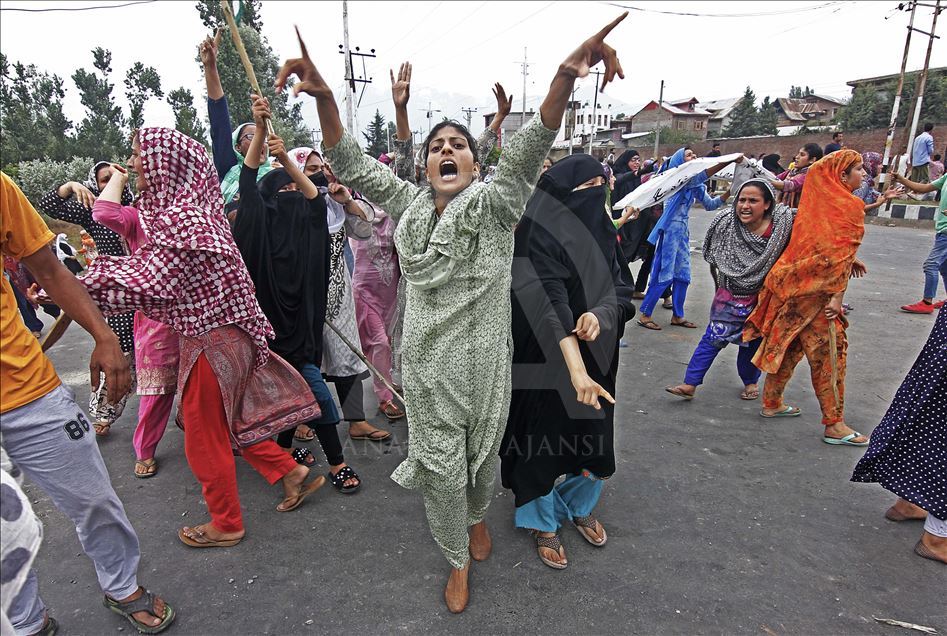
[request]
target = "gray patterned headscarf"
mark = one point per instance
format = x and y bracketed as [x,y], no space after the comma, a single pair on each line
[742,258]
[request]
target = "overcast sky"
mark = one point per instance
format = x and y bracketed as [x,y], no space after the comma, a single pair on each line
[460,48]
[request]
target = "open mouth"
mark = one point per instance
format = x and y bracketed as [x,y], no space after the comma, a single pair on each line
[448,170]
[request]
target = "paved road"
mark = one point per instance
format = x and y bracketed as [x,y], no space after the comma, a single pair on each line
[719,521]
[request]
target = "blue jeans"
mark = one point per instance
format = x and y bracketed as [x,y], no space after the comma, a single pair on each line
[577,496]
[932,266]
[313,377]
[704,356]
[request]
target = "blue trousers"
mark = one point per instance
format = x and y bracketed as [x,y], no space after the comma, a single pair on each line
[32,322]
[934,265]
[704,356]
[657,290]
[577,496]
[659,282]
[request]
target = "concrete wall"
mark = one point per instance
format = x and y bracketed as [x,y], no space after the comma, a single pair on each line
[786,147]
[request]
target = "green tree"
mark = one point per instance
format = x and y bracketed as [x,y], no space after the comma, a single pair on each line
[141,83]
[186,119]
[865,110]
[743,117]
[286,119]
[797,92]
[32,121]
[376,135]
[766,118]
[213,17]
[100,133]
[36,177]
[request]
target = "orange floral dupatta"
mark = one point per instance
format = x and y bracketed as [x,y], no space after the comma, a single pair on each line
[815,265]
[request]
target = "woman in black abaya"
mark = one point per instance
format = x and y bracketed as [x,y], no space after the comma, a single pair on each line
[570,306]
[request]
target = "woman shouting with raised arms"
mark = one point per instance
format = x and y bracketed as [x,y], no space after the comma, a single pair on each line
[455,244]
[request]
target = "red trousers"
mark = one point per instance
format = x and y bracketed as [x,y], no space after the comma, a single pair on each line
[210,454]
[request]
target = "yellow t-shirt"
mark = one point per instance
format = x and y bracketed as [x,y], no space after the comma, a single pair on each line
[26,374]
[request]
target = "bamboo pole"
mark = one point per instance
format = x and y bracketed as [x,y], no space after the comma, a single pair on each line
[244,58]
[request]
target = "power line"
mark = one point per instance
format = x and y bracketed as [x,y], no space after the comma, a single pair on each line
[494,36]
[442,34]
[758,14]
[101,6]
[405,36]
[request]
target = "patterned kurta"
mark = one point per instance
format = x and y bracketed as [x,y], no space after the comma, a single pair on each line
[457,340]
[457,353]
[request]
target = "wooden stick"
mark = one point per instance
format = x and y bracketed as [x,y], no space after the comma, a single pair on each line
[58,329]
[362,357]
[244,58]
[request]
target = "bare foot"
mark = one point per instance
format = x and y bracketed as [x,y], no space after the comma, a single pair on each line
[457,594]
[480,542]
[293,481]
[840,430]
[904,510]
[936,545]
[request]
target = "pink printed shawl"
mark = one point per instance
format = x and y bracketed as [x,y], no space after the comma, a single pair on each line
[190,275]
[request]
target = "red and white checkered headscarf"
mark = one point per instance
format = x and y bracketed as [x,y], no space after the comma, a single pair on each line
[189,275]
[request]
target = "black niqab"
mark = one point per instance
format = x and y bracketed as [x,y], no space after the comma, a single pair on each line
[565,263]
[284,240]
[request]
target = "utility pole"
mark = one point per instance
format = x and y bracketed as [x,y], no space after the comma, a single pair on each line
[350,92]
[525,73]
[594,108]
[468,114]
[889,140]
[657,130]
[572,108]
[923,80]
[429,111]
[345,49]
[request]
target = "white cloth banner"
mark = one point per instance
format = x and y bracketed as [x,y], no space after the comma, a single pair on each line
[740,173]
[659,188]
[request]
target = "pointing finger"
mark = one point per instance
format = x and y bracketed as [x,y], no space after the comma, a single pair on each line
[614,23]
[302,45]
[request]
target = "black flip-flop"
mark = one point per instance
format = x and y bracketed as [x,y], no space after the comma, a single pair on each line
[650,324]
[687,324]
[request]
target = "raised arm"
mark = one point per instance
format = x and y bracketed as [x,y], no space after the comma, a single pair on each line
[351,165]
[261,112]
[523,156]
[312,83]
[217,112]
[108,209]
[278,149]
[491,134]
[578,65]
[60,204]
[720,166]
[400,94]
